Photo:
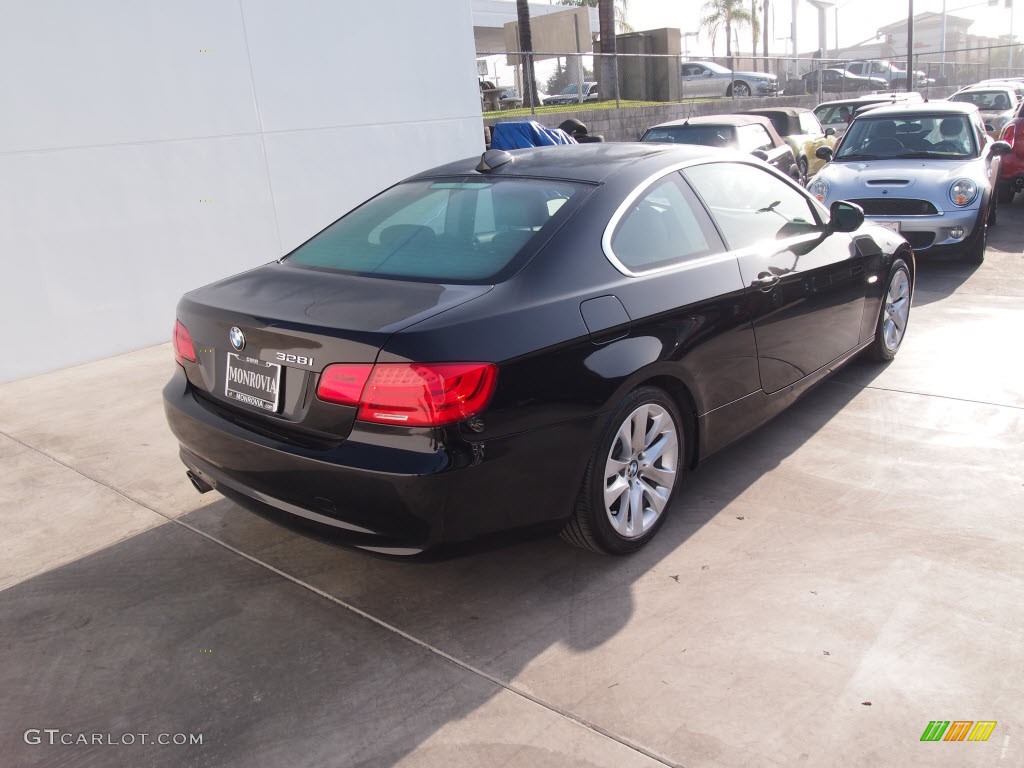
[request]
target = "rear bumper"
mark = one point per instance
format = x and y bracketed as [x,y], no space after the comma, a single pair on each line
[387,489]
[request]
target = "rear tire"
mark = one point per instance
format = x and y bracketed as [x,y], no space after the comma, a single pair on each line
[894,314]
[629,483]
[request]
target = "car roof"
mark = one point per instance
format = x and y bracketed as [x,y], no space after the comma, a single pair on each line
[924,108]
[791,111]
[731,119]
[591,163]
[988,87]
[872,98]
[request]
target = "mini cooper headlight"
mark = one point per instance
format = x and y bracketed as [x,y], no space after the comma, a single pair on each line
[818,188]
[962,192]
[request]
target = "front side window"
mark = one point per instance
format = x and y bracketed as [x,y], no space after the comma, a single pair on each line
[665,225]
[809,124]
[459,231]
[753,137]
[751,205]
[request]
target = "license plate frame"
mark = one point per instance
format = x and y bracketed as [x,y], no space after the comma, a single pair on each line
[892,226]
[255,392]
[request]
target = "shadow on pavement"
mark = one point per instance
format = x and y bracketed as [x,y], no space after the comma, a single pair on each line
[169,632]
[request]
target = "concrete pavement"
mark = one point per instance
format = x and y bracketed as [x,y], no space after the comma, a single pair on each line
[823,589]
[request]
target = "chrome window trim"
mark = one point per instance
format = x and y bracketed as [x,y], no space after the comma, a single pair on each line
[683,263]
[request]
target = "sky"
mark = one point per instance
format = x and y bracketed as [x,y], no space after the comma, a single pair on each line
[858,20]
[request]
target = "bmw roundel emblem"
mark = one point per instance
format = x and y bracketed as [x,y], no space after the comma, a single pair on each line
[237,338]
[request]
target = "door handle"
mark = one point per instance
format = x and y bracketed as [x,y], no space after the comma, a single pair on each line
[766,281]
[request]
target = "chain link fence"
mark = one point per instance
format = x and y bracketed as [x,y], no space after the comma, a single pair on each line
[590,80]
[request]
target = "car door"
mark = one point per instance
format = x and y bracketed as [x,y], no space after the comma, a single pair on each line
[698,80]
[806,290]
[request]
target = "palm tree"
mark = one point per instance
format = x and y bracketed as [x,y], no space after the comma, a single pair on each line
[526,48]
[725,13]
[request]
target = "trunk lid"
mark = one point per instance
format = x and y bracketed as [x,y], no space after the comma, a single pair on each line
[293,322]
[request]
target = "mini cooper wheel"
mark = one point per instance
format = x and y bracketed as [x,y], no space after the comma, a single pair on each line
[894,315]
[974,248]
[632,474]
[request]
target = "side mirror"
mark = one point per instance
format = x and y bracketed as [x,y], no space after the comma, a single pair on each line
[760,154]
[845,217]
[830,131]
[824,153]
[999,148]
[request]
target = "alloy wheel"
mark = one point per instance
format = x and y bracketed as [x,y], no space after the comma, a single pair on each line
[896,311]
[640,470]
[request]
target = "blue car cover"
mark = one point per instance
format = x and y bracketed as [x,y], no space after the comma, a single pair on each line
[519,134]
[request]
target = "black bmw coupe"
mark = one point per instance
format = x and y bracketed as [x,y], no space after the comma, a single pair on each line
[546,335]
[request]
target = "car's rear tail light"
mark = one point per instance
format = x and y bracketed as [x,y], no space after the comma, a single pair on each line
[411,394]
[343,383]
[183,349]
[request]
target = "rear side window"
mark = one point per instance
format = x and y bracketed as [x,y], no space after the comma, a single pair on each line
[460,231]
[665,225]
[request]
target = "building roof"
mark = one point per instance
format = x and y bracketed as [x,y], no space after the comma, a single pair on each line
[928,18]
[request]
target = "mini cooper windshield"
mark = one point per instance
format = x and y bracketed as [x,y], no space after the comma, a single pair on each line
[886,138]
[445,231]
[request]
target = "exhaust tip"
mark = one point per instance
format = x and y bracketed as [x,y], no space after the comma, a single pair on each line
[1019,183]
[198,483]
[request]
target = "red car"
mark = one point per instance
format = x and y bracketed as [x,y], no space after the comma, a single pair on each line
[1011,169]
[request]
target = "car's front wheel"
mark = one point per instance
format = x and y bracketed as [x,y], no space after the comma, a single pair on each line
[632,474]
[740,90]
[894,314]
[974,248]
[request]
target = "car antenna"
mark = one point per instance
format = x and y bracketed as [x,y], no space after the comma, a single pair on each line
[493,158]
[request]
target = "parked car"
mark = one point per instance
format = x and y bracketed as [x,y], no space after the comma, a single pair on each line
[924,170]
[571,94]
[839,114]
[455,357]
[1017,86]
[747,133]
[894,76]
[1011,169]
[996,104]
[705,78]
[800,129]
[834,80]
[509,98]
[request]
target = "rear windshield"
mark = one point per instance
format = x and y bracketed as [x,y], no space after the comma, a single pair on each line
[458,231]
[705,135]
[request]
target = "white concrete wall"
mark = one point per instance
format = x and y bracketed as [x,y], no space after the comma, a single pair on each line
[148,147]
